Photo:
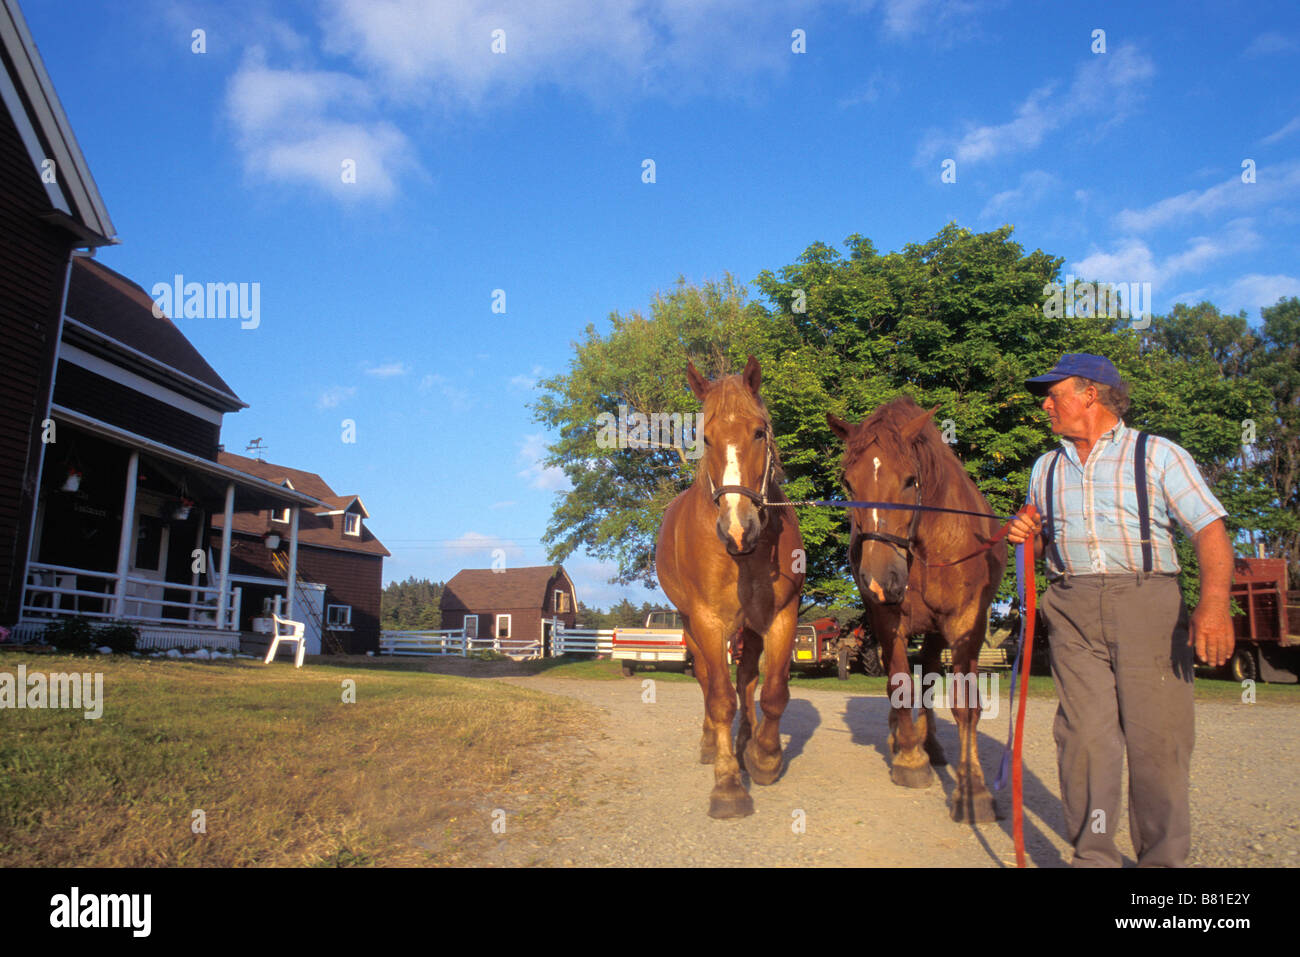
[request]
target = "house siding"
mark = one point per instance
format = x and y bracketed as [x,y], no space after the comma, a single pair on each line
[96,395]
[33,263]
[350,578]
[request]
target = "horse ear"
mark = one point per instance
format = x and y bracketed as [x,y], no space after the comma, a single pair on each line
[753,375]
[839,426]
[699,384]
[912,430]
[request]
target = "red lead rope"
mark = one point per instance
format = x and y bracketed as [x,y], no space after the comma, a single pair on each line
[1026,657]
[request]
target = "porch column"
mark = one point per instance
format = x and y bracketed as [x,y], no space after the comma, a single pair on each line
[127,541]
[223,597]
[292,587]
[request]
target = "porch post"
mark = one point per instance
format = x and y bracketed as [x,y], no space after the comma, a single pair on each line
[223,597]
[127,541]
[292,588]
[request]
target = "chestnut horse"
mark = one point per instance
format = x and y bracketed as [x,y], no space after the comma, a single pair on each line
[728,561]
[900,559]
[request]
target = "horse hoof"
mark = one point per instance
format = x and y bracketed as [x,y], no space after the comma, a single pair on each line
[729,804]
[979,808]
[762,770]
[911,777]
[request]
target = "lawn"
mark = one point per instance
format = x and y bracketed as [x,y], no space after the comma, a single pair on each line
[284,771]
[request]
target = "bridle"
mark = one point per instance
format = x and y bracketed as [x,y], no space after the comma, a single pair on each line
[759,497]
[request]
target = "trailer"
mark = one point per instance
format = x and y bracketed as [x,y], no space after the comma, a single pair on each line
[1267,632]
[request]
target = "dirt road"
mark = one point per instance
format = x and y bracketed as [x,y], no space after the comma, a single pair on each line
[643,794]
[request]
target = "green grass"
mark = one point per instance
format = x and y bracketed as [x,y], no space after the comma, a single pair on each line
[284,771]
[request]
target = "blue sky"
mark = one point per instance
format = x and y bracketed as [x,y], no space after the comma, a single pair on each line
[522,171]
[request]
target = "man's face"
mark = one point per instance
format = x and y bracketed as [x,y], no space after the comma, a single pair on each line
[1066,409]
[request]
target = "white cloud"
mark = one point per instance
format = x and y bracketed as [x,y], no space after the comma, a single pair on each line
[460,398]
[335,396]
[532,450]
[1133,261]
[1033,186]
[1282,133]
[1275,185]
[1106,87]
[1251,292]
[305,125]
[1271,42]
[528,381]
[389,370]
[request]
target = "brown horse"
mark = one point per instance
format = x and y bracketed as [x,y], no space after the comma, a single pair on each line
[898,558]
[730,562]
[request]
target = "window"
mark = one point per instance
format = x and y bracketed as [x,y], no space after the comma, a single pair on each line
[561,602]
[338,616]
[351,523]
[471,626]
[280,515]
[503,626]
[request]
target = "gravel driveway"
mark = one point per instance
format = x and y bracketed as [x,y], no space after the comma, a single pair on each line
[644,795]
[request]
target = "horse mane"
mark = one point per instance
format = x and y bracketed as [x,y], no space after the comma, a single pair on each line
[938,468]
[728,396]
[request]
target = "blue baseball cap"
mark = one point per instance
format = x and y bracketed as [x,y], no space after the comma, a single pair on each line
[1086,366]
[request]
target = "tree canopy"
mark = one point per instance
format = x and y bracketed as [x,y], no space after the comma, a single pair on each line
[958,322]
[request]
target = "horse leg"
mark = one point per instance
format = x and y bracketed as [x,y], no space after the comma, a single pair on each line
[763,757]
[971,799]
[746,679]
[708,738]
[729,797]
[931,657]
[911,765]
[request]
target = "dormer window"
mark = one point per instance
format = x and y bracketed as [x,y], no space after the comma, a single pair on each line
[351,523]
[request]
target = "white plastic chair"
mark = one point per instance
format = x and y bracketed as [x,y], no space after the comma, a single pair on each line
[295,633]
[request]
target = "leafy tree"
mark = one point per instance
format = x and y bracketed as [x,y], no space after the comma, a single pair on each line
[959,322]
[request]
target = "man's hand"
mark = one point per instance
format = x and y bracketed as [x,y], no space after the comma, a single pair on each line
[1027,526]
[1210,630]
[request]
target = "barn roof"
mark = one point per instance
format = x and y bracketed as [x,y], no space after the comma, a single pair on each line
[485,588]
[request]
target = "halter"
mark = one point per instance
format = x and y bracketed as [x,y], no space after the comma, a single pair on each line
[759,498]
[908,544]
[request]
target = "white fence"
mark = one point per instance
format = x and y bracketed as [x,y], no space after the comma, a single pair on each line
[453,642]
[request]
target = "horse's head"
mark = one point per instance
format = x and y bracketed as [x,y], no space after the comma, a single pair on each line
[881,464]
[740,461]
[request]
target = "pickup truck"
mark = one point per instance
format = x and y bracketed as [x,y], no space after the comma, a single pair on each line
[662,640]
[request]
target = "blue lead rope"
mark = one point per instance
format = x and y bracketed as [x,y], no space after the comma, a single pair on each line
[1004,767]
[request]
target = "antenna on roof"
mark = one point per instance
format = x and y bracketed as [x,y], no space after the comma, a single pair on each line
[257,448]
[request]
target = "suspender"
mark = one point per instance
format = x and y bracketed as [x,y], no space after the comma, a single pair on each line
[1144,511]
[1143,504]
[1052,552]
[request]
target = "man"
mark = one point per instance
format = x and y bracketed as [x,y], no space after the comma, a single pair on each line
[1120,639]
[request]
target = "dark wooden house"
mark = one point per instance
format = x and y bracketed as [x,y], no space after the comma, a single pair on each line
[340,562]
[49,208]
[514,605]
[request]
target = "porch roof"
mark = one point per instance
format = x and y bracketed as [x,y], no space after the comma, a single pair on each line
[250,492]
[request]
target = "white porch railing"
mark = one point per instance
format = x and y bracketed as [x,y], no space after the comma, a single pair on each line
[55,591]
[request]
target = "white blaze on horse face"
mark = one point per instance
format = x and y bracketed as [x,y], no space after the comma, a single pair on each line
[731,500]
[875,514]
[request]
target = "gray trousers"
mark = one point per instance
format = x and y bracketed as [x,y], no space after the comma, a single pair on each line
[1123,672]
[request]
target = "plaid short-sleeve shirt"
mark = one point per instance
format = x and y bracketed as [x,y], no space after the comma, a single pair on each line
[1096,511]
